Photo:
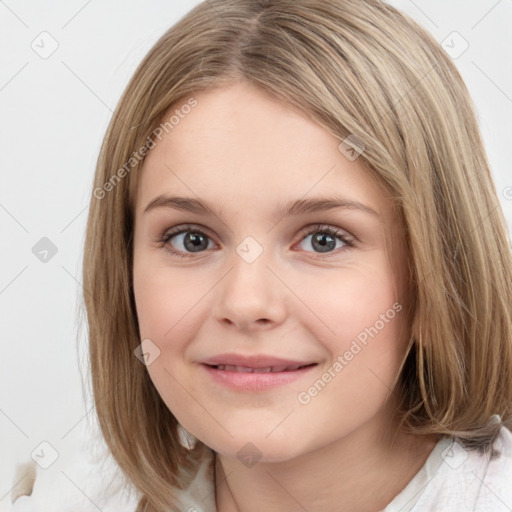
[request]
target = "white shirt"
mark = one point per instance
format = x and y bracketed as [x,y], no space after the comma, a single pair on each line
[451,480]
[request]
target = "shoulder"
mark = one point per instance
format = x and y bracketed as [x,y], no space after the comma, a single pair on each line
[471,480]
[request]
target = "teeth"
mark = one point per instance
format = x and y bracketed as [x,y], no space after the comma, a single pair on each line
[242,369]
[245,369]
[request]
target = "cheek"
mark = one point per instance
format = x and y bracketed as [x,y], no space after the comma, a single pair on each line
[366,340]
[167,305]
[167,302]
[356,383]
[357,304]
[170,306]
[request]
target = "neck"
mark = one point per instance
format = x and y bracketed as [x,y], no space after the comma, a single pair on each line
[360,472]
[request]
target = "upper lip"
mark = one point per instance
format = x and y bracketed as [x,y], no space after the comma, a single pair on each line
[253,361]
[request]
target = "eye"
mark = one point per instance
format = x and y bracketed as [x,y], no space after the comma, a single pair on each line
[187,240]
[184,241]
[325,239]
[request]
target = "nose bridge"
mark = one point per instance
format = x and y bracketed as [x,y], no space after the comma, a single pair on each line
[250,293]
[249,277]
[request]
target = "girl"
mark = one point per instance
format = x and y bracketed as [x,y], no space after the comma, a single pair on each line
[299,282]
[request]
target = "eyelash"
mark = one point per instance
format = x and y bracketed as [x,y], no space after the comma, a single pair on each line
[166,236]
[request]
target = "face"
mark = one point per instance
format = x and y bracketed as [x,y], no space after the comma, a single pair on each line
[251,274]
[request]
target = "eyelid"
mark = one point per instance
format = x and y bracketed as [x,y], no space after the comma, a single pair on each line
[183,228]
[313,228]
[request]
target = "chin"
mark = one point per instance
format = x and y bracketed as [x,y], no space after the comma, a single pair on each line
[250,449]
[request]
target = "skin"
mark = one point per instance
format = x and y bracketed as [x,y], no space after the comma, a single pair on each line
[246,153]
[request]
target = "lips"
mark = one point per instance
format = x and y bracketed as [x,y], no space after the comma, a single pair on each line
[255,372]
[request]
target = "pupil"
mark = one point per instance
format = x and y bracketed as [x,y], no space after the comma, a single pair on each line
[325,242]
[194,241]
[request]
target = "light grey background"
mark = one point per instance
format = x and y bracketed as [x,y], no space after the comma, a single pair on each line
[54,113]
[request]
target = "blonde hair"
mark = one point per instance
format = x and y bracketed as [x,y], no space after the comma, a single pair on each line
[356,68]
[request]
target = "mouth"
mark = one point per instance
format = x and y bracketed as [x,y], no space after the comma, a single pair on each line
[265,369]
[256,378]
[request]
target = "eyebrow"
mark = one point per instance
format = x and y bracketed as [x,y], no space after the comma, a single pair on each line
[297,207]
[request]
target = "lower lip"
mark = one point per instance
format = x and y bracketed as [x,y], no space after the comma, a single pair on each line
[245,381]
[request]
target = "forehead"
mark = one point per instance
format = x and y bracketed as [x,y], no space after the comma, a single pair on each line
[242,147]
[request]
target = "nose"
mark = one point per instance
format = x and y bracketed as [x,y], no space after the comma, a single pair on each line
[251,297]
